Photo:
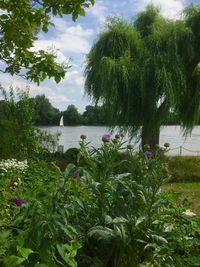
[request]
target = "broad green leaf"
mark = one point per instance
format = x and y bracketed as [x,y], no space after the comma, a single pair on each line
[159,239]
[81,12]
[25,252]
[69,169]
[13,261]
[4,234]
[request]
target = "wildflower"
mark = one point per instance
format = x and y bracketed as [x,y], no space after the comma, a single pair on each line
[76,173]
[13,165]
[106,138]
[166,145]
[148,153]
[189,213]
[83,137]
[15,183]
[19,202]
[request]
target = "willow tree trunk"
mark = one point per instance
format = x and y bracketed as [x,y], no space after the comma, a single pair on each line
[150,134]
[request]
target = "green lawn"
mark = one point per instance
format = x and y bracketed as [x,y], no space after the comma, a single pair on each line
[191,191]
[184,168]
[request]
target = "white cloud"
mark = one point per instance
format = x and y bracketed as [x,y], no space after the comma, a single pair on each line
[74,77]
[169,8]
[99,10]
[67,38]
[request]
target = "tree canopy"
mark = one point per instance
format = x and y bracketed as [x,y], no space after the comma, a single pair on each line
[45,113]
[146,69]
[20,23]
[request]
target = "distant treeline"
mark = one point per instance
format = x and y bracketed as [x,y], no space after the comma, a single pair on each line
[47,115]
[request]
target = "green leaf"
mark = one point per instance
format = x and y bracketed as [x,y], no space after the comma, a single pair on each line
[140,220]
[4,234]
[13,261]
[69,169]
[159,239]
[81,12]
[25,252]
[68,252]
[57,79]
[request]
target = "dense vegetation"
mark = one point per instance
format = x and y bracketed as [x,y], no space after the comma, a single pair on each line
[147,68]
[93,216]
[43,113]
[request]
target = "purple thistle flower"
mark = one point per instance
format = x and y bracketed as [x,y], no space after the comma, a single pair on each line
[76,173]
[19,202]
[148,153]
[106,138]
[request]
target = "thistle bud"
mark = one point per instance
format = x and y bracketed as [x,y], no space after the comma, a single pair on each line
[83,137]
[106,138]
[166,145]
[129,147]
[146,147]
[117,136]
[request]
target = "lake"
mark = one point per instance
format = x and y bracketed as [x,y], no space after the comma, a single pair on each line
[70,137]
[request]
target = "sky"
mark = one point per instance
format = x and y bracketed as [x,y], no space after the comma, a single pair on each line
[73,40]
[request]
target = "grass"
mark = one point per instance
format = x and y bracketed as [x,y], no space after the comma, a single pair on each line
[189,191]
[184,168]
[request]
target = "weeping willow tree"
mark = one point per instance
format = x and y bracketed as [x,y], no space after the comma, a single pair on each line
[145,70]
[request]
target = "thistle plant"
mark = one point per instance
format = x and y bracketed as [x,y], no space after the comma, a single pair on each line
[106,210]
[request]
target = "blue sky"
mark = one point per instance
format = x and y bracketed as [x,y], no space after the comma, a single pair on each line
[73,41]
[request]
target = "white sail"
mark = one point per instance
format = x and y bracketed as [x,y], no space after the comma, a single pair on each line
[61,121]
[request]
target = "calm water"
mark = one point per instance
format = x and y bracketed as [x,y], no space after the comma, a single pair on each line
[70,137]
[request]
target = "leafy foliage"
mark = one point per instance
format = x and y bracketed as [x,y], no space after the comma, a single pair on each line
[20,24]
[95,215]
[19,138]
[71,116]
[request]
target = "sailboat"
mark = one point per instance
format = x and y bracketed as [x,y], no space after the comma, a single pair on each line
[61,121]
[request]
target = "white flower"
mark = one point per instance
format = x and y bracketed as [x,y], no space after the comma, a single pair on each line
[15,183]
[189,213]
[13,165]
